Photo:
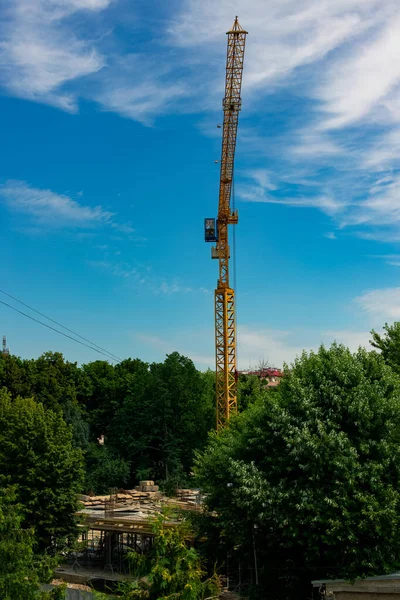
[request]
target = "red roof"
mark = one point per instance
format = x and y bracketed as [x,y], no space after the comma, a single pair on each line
[264,373]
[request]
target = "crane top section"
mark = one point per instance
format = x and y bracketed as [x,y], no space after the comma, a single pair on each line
[231,105]
[236,27]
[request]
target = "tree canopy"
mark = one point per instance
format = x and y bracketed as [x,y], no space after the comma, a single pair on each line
[171,570]
[312,472]
[20,569]
[164,417]
[38,458]
[389,344]
[153,416]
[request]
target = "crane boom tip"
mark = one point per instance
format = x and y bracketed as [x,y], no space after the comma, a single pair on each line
[236,27]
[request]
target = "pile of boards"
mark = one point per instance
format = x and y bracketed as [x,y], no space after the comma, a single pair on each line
[145,499]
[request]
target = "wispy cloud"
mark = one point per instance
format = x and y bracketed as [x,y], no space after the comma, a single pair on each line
[351,339]
[40,54]
[336,62]
[381,303]
[277,347]
[167,347]
[44,49]
[390,259]
[141,277]
[347,92]
[260,187]
[49,209]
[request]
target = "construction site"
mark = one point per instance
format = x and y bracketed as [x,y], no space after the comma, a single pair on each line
[122,521]
[297,467]
[113,525]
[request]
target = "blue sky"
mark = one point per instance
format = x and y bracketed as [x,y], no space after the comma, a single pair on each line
[108,114]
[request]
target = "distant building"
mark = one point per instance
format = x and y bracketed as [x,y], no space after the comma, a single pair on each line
[272,375]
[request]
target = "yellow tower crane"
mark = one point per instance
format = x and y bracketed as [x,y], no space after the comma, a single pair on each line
[225,317]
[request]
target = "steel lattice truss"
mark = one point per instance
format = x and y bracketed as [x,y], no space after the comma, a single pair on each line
[225,321]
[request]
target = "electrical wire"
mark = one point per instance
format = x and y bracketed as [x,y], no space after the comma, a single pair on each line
[60,325]
[56,330]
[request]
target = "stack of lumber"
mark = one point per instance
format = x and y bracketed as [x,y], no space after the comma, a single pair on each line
[144,500]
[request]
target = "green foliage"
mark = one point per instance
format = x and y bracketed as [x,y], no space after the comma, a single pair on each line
[18,579]
[104,470]
[38,458]
[100,397]
[389,345]
[316,468]
[172,570]
[165,415]
[250,389]
[153,416]
[57,593]
[20,570]
[53,382]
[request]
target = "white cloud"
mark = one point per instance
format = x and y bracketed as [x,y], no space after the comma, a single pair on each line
[381,208]
[351,339]
[354,199]
[282,35]
[384,152]
[359,82]
[272,345]
[381,303]
[51,210]
[142,100]
[39,54]
[260,186]
[167,347]
[339,58]
[330,235]
[315,144]
[140,276]
[262,178]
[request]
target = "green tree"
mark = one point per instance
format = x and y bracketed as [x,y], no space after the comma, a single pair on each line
[38,458]
[250,389]
[19,579]
[389,345]
[55,384]
[312,476]
[20,570]
[51,381]
[104,470]
[164,417]
[100,396]
[16,375]
[172,570]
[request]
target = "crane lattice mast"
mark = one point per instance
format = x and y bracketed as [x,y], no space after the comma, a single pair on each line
[225,318]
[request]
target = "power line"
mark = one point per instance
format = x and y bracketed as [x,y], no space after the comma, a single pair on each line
[54,329]
[60,325]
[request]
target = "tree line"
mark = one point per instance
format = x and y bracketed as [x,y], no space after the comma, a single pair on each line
[303,484]
[153,416]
